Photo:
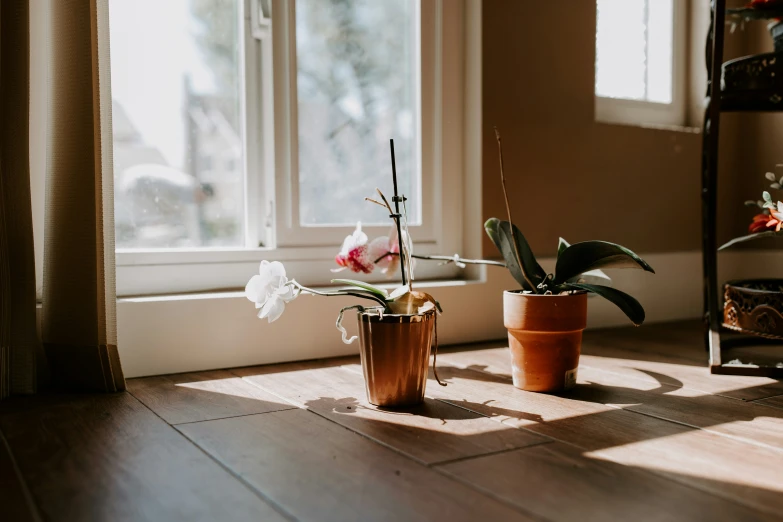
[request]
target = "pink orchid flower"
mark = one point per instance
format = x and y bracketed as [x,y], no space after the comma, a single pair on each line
[354,255]
[359,256]
[382,248]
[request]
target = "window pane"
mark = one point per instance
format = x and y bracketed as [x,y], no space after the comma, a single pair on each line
[178,158]
[358,85]
[620,50]
[633,49]
[659,55]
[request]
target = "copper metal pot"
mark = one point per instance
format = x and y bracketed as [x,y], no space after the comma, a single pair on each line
[395,351]
[545,338]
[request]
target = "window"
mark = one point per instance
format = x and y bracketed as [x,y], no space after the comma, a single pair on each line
[177,114]
[639,61]
[253,129]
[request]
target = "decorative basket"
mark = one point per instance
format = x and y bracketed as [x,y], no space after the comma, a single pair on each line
[753,81]
[754,306]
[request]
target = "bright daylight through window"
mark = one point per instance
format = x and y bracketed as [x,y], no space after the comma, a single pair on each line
[180,116]
[355,91]
[177,118]
[636,60]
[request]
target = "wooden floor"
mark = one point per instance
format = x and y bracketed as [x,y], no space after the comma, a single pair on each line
[648,434]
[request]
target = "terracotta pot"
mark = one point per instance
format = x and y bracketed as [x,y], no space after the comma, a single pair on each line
[545,338]
[395,351]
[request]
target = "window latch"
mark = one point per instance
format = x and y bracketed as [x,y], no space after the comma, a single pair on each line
[260,18]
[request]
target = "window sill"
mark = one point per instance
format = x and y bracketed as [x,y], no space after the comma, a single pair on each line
[233,294]
[178,333]
[681,129]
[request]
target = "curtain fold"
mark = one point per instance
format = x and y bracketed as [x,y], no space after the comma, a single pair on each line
[79,325]
[19,345]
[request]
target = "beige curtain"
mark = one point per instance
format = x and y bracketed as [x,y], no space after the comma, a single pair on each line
[79,302]
[18,339]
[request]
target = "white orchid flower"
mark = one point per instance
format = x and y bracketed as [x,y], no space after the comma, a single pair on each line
[270,290]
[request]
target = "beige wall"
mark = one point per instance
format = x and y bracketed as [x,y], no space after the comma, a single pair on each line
[568,175]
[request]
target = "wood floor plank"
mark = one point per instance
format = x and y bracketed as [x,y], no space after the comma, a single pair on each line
[319,470]
[15,503]
[107,457]
[193,397]
[655,394]
[775,402]
[737,470]
[601,354]
[556,482]
[431,432]
[681,341]
[750,421]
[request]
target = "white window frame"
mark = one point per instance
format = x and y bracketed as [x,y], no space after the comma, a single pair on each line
[640,112]
[271,166]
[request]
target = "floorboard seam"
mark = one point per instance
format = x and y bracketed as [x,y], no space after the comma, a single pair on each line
[491,453]
[683,387]
[28,496]
[492,495]
[363,435]
[760,402]
[274,505]
[735,438]
[175,424]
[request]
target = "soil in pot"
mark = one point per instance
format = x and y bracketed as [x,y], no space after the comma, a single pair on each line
[545,338]
[395,352]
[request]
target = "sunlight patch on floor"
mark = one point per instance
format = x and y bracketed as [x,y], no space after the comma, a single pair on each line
[701,457]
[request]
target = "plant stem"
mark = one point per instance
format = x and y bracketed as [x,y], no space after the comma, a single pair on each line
[446,258]
[508,211]
[338,293]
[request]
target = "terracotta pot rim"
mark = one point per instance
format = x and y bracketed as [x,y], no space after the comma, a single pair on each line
[523,293]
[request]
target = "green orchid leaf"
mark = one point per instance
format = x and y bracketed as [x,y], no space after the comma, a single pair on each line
[593,277]
[376,290]
[751,237]
[561,246]
[591,255]
[623,301]
[491,227]
[534,272]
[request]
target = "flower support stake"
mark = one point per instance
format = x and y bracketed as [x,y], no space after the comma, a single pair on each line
[396,215]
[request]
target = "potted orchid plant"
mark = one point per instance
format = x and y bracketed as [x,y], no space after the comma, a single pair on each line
[396,330]
[545,317]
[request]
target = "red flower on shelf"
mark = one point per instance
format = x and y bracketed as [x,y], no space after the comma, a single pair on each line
[759,223]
